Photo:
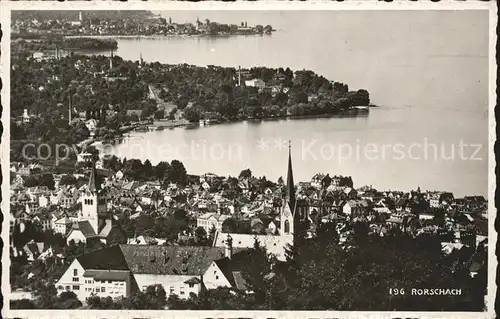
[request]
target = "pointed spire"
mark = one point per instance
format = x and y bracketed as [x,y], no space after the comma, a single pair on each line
[93,183]
[290,185]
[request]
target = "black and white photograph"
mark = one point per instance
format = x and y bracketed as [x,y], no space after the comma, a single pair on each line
[267,159]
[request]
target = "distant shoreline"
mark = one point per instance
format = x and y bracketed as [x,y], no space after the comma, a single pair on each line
[161,36]
[125,36]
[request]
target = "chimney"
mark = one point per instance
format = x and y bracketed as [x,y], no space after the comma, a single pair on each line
[239,75]
[229,247]
[69,111]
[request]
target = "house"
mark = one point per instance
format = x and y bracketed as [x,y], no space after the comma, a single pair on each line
[43,201]
[84,157]
[257,226]
[121,270]
[401,204]
[32,250]
[209,220]
[62,225]
[355,207]
[317,180]
[31,169]
[257,83]
[63,198]
[436,199]
[91,126]
[350,193]
[119,175]
[228,271]
[275,244]
[43,221]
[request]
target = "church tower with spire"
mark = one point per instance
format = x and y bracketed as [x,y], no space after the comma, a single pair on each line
[93,201]
[287,218]
[293,211]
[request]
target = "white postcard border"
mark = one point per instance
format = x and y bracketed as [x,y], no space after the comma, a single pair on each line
[157,5]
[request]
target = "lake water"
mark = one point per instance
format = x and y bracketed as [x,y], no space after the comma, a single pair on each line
[427,70]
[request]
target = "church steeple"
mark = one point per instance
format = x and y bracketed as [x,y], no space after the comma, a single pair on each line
[94,202]
[288,214]
[93,182]
[290,185]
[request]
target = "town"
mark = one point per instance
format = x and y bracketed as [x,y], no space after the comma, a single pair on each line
[92,230]
[134,23]
[130,229]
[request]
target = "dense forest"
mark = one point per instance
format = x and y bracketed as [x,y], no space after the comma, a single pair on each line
[67,44]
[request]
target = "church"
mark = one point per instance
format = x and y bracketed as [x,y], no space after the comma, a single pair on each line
[94,222]
[292,212]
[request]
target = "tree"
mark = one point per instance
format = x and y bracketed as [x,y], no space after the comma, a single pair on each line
[156,296]
[182,219]
[327,180]
[229,226]
[256,272]
[95,302]
[47,180]
[143,223]
[133,169]
[68,300]
[67,180]
[178,172]
[246,173]
[147,170]
[22,304]
[46,296]
[211,234]
[191,114]
[200,234]
[162,170]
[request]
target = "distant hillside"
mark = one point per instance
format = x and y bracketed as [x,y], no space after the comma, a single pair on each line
[73,14]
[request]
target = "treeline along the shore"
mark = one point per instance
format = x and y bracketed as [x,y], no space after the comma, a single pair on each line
[117,93]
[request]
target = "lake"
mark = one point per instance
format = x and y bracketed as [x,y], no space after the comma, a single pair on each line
[427,70]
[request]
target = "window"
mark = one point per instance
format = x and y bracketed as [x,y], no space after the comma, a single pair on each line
[98,290]
[182,290]
[103,289]
[60,287]
[75,272]
[121,284]
[287,227]
[75,279]
[76,287]
[67,287]
[217,277]
[191,285]
[172,290]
